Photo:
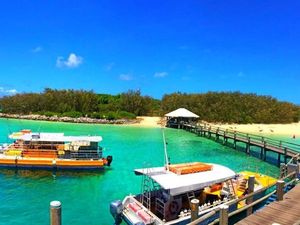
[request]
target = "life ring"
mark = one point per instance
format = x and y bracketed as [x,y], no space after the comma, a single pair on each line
[174,207]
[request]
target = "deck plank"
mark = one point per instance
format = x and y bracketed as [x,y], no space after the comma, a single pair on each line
[286,212]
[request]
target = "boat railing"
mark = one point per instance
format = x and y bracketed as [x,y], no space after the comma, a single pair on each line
[21,149]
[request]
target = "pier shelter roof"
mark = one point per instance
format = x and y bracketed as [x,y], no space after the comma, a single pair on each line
[181,112]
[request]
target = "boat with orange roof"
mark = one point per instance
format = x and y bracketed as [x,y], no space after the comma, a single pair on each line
[56,151]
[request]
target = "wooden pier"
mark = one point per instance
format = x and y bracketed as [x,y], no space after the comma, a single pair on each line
[285,212]
[230,138]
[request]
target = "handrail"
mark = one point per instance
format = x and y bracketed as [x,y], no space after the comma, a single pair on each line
[201,219]
[270,142]
[245,207]
[253,135]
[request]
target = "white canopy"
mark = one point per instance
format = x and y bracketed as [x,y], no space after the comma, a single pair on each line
[53,137]
[179,184]
[182,112]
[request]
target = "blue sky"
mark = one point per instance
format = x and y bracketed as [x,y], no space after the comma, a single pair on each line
[156,46]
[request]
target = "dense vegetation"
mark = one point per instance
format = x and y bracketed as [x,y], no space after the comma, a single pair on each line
[73,103]
[234,107]
[231,107]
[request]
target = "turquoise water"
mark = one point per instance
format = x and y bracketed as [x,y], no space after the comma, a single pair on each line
[85,197]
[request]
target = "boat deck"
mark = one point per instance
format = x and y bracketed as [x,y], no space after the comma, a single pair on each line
[286,212]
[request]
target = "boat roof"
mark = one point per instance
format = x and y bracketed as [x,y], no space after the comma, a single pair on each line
[52,137]
[178,184]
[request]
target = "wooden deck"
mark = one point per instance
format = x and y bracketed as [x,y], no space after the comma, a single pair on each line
[286,212]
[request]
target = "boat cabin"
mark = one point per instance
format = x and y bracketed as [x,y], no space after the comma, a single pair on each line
[54,145]
[174,186]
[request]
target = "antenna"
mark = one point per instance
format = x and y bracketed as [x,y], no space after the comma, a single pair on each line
[165,150]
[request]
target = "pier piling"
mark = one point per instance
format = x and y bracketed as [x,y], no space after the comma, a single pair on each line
[251,182]
[55,213]
[194,209]
[279,190]
[224,214]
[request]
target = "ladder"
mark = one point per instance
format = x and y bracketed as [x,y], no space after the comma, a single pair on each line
[147,185]
[190,196]
[231,187]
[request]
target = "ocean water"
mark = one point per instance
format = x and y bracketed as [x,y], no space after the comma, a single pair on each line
[25,195]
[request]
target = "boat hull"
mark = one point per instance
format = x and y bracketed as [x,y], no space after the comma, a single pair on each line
[51,164]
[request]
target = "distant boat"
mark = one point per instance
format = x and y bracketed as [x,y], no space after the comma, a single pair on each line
[168,191]
[53,151]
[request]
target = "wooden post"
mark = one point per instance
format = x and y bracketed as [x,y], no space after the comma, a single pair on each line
[194,209]
[279,190]
[224,215]
[234,140]
[282,170]
[248,148]
[251,182]
[285,155]
[279,159]
[55,213]
[248,145]
[265,154]
[261,152]
[293,168]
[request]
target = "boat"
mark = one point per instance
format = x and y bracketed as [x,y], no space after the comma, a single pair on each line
[54,151]
[167,193]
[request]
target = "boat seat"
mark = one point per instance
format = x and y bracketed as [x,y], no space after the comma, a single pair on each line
[144,216]
[134,207]
[139,211]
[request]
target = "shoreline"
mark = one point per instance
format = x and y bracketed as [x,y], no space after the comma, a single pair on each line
[65,119]
[289,130]
[140,121]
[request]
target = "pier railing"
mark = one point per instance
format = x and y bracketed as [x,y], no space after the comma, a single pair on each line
[224,215]
[293,147]
[285,148]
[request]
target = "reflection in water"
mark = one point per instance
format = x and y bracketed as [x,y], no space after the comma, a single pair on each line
[37,174]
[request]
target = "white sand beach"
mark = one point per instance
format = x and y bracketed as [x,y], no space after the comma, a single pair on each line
[147,121]
[292,129]
[277,129]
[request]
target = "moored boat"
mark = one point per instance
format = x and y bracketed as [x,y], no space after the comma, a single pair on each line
[53,151]
[167,193]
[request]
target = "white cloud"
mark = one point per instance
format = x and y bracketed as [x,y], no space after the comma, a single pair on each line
[37,49]
[160,74]
[125,77]
[5,91]
[72,61]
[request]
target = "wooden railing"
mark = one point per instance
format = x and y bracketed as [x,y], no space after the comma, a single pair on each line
[224,215]
[284,147]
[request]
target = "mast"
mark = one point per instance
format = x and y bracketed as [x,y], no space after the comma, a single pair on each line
[165,150]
